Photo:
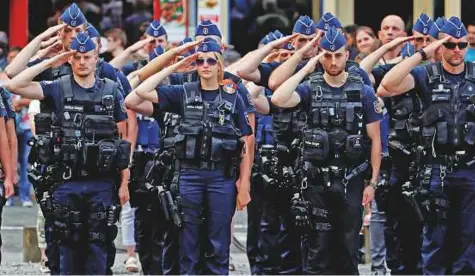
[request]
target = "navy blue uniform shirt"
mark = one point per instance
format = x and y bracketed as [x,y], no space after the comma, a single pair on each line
[170,99]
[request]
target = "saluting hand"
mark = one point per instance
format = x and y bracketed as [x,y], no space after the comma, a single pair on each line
[185,48]
[60,59]
[183,65]
[278,43]
[51,31]
[431,48]
[311,64]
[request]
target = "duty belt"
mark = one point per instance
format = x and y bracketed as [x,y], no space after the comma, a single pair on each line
[204,165]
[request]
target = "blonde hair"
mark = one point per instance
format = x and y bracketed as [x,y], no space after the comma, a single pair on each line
[220,59]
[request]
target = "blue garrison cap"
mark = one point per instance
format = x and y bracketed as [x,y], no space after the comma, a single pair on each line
[73,16]
[184,41]
[274,36]
[327,21]
[332,40]
[209,45]
[454,27]
[264,40]
[156,52]
[408,50]
[423,24]
[206,28]
[288,46]
[437,26]
[305,25]
[82,43]
[92,31]
[155,29]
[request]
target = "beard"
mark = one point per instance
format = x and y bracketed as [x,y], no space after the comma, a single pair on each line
[334,72]
[455,62]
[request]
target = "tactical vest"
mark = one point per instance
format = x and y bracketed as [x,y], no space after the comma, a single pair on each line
[208,130]
[404,112]
[85,137]
[448,122]
[334,134]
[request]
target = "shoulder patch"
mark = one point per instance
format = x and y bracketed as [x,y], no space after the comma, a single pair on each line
[122,106]
[378,107]
[229,86]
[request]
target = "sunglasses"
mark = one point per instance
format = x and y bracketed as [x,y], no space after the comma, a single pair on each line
[422,39]
[209,61]
[452,45]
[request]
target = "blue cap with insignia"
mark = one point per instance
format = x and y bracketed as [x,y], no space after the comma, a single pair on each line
[206,28]
[209,45]
[155,29]
[288,46]
[73,16]
[92,31]
[184,41]
[437,26]
[156,52]
[423,24]
[305,26]
[333,40]
[454,27]
[82,43]
[264,40]
[327,21]
[408,50]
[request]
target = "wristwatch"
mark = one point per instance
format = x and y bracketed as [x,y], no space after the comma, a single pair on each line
[423,54]
[373,184]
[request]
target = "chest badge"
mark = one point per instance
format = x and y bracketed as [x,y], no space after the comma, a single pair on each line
[229,86]
[470,88]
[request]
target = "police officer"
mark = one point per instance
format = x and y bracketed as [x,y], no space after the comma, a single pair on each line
[208,146]
[149,224]
[6,166]
[277,239]
[155,35]
[86,147]
[168,123]
[403,227]
[342,114]
[445,88]
[420,31]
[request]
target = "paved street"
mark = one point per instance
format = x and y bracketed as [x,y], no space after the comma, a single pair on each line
[15,218]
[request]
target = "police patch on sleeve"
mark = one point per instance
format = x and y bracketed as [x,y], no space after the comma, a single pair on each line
[247,119]
[122,106]
[378,107]
[229,86]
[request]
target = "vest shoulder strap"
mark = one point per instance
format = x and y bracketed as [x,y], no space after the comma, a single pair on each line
[434,72]
[66,87]
[470,71]
[192,92]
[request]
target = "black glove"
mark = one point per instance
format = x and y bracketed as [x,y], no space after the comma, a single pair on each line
[299,209]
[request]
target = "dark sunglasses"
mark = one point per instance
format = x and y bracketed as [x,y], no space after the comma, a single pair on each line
[422,39]
[451,45]
[210,61]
